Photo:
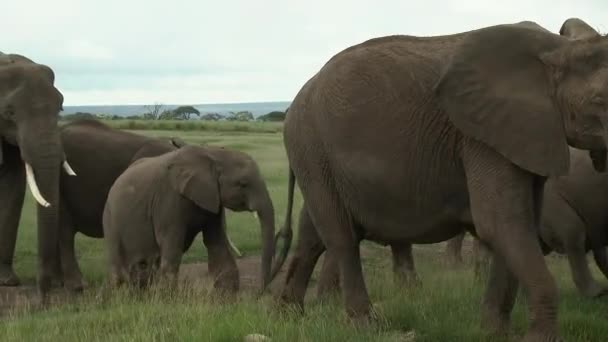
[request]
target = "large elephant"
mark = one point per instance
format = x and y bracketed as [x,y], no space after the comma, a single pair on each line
[403,262]
[100,154]
[575,220]
[399,138]
[157,206]
[30,152]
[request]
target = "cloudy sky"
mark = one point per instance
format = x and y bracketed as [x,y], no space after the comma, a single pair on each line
[201,51]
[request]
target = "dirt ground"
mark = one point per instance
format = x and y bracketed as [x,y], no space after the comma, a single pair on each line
[196,274]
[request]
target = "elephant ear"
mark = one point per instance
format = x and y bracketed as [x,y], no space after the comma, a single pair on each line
[194,177]
[575,28]
[495,89]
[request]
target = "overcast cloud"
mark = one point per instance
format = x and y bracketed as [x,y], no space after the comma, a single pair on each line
[200,51]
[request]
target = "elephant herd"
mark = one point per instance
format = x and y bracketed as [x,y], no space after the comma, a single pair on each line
[500,132]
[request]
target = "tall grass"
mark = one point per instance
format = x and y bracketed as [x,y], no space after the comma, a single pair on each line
[445,308]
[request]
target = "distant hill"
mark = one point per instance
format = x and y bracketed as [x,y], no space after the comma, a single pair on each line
[256,108]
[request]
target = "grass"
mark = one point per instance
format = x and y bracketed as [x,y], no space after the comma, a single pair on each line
[445,308]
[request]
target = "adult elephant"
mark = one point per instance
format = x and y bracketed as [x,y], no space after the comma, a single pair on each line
[576,29]
[403,261]
[98,154]
[30,152]
[399,138]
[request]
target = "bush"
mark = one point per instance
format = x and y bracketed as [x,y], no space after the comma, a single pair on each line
[272,116]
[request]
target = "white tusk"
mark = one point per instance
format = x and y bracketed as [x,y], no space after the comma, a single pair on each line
[255,215]
[68,168]
[236,250]
[31,182]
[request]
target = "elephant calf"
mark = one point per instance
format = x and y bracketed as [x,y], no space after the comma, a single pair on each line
[159,204]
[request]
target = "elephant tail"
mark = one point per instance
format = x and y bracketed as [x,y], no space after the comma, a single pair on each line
[287,231]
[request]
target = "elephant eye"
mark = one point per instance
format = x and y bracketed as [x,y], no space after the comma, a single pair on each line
[242,183]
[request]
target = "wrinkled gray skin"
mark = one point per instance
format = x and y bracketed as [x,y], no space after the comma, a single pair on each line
[29,109]
[448,109]
[574,221]
[403,262]
[157,206]
[98,154]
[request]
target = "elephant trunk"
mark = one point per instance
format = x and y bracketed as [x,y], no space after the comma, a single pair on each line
[42,154]
[265,213]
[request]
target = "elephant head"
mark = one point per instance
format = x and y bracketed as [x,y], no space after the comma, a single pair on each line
[214,178]
[29,110]
[575,28]
[539,84]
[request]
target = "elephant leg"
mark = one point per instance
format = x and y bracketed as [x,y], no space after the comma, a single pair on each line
[329,278]
[581,274]
[505,205]
[12,193]
[222,265]
[303,262]
[335,228]
[404,269]
[72,276]
[601,260]
[500,295]
[118,271]
[171,247]
[453,250]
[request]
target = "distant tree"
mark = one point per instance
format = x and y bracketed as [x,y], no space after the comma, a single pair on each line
[212,117]
[134,117]
[78,115]
[185,111]
[272,116]
[153,111]
[170,115]
[240,116]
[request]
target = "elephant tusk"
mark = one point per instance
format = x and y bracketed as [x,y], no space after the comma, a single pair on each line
[31,182]
[233,247]
[255,215]
[68,168]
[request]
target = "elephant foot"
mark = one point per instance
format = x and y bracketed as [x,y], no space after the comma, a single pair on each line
[368,318]
[496,324]
[227,282]
[594,291]
[74,285]
[537,335]
[8,276]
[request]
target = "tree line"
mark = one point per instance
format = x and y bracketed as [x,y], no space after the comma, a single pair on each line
[156,112]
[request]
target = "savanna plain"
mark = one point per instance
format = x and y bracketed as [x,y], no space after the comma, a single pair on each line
[445,308]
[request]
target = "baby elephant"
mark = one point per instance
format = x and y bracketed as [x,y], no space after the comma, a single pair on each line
[158,205]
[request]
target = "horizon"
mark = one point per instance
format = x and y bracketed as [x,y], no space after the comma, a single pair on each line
[176,104]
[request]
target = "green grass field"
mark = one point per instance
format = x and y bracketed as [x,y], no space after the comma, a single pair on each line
[445,308]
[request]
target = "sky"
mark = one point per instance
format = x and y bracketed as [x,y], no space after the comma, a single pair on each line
[116,52]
